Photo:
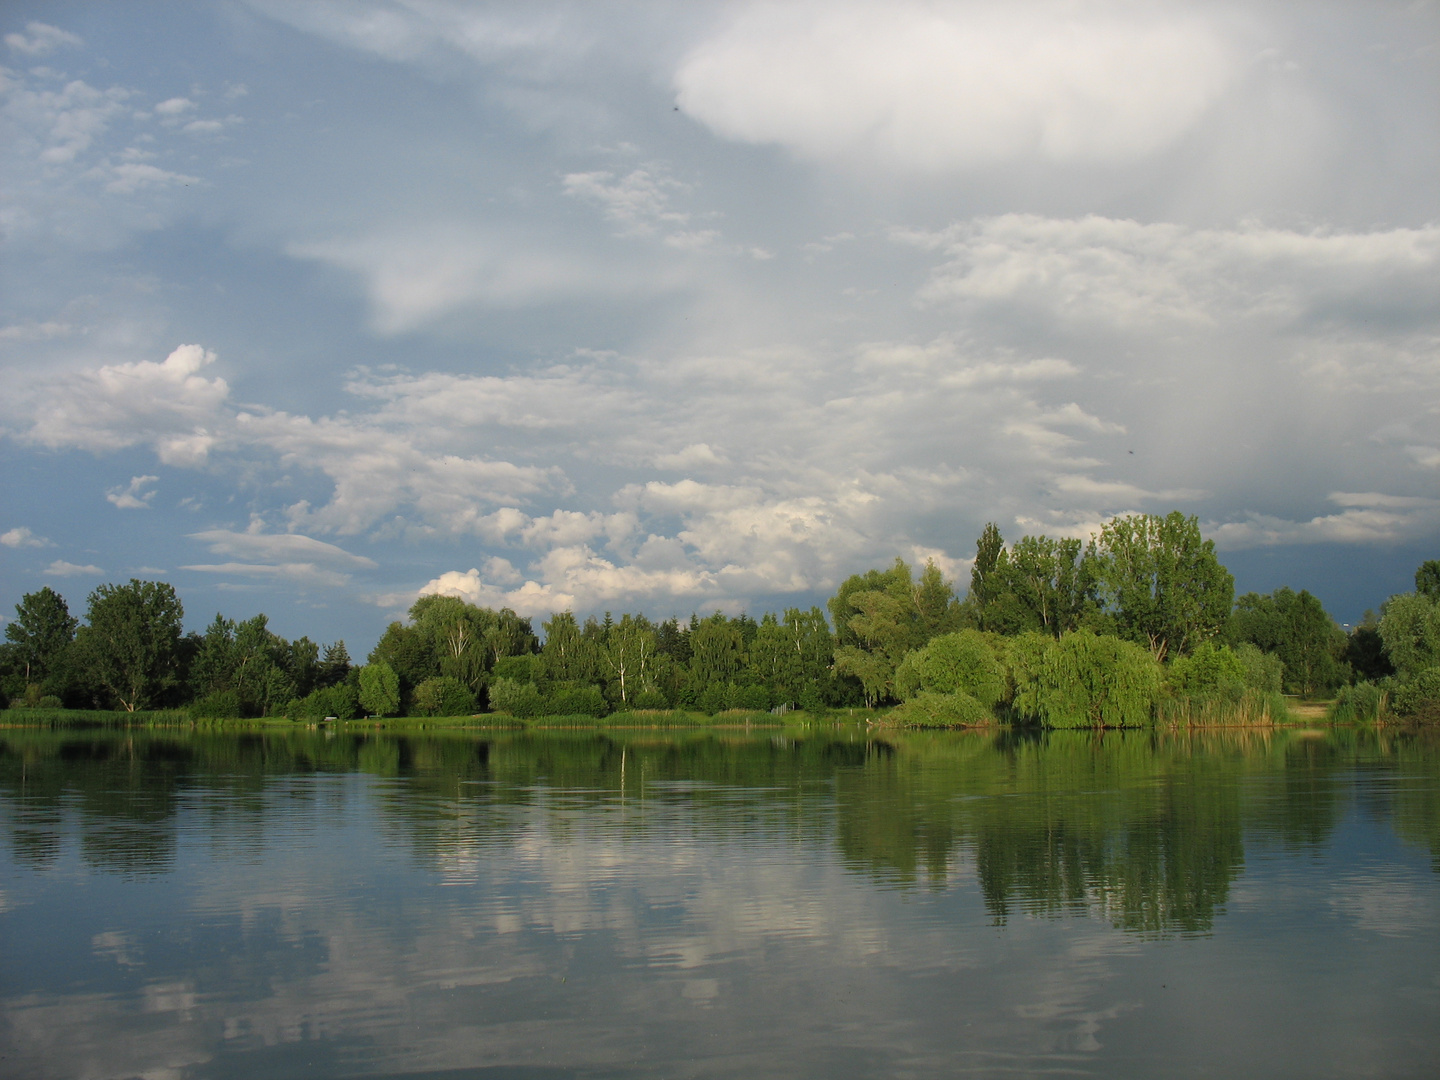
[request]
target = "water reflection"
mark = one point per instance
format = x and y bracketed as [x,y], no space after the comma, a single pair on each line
[817,904]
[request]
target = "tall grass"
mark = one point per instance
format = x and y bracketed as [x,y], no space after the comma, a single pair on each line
[1253,708]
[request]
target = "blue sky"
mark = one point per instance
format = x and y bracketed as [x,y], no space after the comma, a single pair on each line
[310,307]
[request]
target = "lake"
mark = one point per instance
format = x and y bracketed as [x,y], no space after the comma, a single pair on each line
[809,903]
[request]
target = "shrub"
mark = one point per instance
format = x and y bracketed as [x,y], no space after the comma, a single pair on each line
[444,695]
[340,701]
[49,701]
[221,705]
[1419,698]
[1264,671]
[963,662]
[650,698]
[1092,681]
[576,701]
[929,709]
[1211,670]
[753,698]
[519,699]
[713,699]
[1362,703]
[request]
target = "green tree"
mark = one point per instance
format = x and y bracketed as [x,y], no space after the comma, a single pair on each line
[1427,579]
[962,662]
[1296,628]
[629,658]
[1093,681]
[41,631]
[379,689]
[131,641]
[1162,582]
[1410,628]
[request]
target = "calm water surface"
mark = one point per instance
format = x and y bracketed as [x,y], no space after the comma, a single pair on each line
[818,904]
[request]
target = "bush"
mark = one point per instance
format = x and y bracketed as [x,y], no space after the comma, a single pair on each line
[752,698]
[444,695]
[929,709]
[963,662]
[1211,670]
[340,701]
[1264,671]
[1362,703]
[1092,681]
[1419,698]
[49,701]
[715,698]
[650,698]
[576,701]
[527,667]
[221,705]
[518,699]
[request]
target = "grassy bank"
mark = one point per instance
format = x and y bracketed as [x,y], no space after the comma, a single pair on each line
[639,719]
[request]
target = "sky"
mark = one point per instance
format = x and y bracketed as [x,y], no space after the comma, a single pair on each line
[311,308]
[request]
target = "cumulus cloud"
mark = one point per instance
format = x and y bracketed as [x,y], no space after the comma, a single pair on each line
[930,87]
[133,496]
[41,39]
[22,537]
[168,405]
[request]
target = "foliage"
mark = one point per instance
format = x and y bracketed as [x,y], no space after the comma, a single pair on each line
[570,700]
[1419,697]
[379,689]
[962,662]
[519,699]
[445,695]
[131,641]
[1427,579]
[220,705]
[1410,628]
[1359,703]
[40,632]
[1039,584]
[1211,670]
[1162,582]
[1093,681]
[340,701]
[929,709]
[1294,627]
[1264,671]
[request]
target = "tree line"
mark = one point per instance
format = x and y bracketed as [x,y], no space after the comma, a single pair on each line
[1140,619]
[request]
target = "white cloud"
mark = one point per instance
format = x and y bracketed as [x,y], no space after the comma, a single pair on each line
[257,545]
[416,275]
[61,568]
[130,176]
[133,496]
[1131,275]
[1367,518]
[21,536]
[44,331]
[41,39]
[174,106]
[64,123]
[937,86]
[302,574]
[168,405]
